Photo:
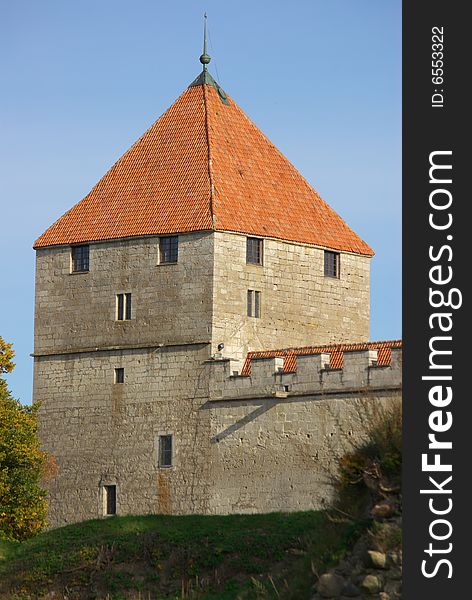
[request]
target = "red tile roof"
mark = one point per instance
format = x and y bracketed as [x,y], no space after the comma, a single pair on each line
[336,352]
[203,165]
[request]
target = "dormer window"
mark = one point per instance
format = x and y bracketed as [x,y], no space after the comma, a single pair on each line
[168,249]
[80,258]
[254,250]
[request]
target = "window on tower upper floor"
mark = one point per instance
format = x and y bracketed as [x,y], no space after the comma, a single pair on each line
[254,251]
[123,307]
[80,258]
[168,249]
[254,304]
[331,264]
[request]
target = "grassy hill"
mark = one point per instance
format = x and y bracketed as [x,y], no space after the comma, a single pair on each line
[167,557]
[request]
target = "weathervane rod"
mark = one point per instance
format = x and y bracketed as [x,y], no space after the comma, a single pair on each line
[204,58]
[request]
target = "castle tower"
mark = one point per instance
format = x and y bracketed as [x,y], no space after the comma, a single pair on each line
[201,240]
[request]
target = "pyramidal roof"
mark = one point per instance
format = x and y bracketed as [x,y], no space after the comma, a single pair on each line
[204,165]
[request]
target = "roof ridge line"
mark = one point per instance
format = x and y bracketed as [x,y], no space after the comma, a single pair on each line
[210,175]
[293,349]
[304,180]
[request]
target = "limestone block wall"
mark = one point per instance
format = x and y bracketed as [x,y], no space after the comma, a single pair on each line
[276,437]
[103,433]
[263,442]
[171,303]
[300,306]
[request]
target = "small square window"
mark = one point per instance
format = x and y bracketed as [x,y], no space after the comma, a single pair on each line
[254,250]
[109,499]
[123,307]
[331,264]
[80,258]
[253,304]
[165,450]
[119,375]
[168,249]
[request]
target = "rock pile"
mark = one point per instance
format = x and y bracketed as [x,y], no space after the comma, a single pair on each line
[369,572]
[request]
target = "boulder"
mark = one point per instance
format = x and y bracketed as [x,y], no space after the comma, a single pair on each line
[330,585]
[371,584]
[378,560]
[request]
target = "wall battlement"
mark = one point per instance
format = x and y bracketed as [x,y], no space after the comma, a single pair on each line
[313,376]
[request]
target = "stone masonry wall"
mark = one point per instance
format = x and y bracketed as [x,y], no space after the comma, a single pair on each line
[300,306]
[171,303]
[276,437]
[240,444]
[103,433]
[264,442]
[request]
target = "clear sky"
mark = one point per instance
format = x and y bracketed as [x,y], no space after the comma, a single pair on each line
[81,81]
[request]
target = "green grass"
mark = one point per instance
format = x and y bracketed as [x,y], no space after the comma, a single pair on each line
[169,557]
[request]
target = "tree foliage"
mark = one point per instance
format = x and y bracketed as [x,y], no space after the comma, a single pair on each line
[22,463]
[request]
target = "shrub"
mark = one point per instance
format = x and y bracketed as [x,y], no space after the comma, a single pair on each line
[373,469]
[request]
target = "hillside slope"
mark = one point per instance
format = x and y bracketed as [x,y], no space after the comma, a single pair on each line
[162,557]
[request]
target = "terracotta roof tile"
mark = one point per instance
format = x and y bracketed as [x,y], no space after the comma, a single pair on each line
[163,184]
[336,352]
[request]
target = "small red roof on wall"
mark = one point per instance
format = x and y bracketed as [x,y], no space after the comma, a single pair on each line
[336,352]
[203,165]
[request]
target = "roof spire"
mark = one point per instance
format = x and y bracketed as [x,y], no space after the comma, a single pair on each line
[205,58]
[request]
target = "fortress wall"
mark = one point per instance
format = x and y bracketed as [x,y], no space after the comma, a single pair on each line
[273,449]
[263,442]
[300,306]
[103,433]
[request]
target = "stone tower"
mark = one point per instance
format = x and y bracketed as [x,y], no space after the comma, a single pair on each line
[202,241]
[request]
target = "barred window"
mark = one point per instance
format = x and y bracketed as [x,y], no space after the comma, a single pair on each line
[254,250]
[123,307]
[165,450]
[253,304]
[168,249]
[80,258]
[331,264]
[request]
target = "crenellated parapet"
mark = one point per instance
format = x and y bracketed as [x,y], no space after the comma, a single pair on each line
[313,376]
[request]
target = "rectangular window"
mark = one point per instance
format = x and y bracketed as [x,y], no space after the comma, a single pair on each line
[127,307]
[253,304]
[80,259]
[109,500]
[254,250]
[119,375]
[168,249]
[123,307]
[331,264]
[165,450]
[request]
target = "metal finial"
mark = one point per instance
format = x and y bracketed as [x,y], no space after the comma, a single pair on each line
[204,58]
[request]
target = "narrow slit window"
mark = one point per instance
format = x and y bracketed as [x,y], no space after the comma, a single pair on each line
[254,250]
[109,499]
[331,264]
[165,450]
[123,307]
[168,249]
[80,259]
[119,375]
[254,304]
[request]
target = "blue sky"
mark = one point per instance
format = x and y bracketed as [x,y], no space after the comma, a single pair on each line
[81,81]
